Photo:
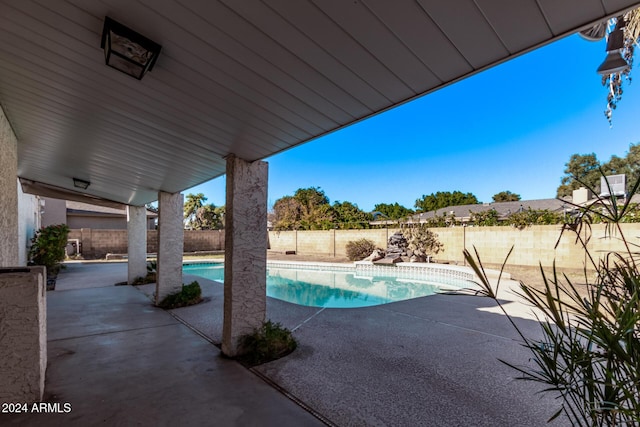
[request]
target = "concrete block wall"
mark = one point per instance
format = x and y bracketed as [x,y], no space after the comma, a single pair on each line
[23,334]
[98,243]
[531,246]
[282,241]
[203,240]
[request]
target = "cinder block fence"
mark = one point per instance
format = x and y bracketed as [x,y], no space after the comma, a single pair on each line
[532,245]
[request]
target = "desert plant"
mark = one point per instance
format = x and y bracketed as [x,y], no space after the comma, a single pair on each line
[590,350]
[270,342]
[421,240]
[189,295]
[48,246]
[359,249]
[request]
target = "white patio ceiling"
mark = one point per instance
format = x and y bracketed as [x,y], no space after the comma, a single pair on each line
[247,77]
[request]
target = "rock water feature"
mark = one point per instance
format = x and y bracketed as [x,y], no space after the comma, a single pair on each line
[396,249]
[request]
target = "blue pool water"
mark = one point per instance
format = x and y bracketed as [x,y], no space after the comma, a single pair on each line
[335,289]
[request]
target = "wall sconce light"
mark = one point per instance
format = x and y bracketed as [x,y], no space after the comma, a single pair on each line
[614,62]
[128,51]
[80,183]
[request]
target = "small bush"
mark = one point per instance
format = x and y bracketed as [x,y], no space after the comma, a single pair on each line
[189,295]
[272,341]
[48,246]
[422,240]
[359,249]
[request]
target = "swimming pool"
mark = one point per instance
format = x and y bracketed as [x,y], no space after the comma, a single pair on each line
[338,287]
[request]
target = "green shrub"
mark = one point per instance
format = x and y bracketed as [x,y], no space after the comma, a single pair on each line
[359,249]
[272,341]
[48,246]
[189,295]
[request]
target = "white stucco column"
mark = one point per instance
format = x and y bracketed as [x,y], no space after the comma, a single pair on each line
[9,236]
[245,265]
[170,244]
[137,242]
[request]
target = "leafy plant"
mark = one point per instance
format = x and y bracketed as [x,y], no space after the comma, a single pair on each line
[524,219]
[421,240]
[48,246]
[359,249]
[189,295]
[151,275]
[590,350]
[485,218]
[270,342]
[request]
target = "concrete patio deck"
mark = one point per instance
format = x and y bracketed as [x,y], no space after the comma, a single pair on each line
[430,361]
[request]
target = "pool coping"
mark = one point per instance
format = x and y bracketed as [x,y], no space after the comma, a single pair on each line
[368,267]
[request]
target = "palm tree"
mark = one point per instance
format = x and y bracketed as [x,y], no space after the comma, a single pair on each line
[191,206]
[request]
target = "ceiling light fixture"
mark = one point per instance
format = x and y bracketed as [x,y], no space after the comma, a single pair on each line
[126,50]
[81,183]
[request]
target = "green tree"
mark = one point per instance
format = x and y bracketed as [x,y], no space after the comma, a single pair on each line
[315,210]
[586,169]
[210,217]
[581,170]
[443,199]
[286,213]
[393,211]
[192,203]
[506,196]
[307,209]
[349,215]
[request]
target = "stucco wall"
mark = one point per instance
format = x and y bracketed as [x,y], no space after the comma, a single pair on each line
[9,240]
[28,223]
[102,222]
[23,337]
[54,212]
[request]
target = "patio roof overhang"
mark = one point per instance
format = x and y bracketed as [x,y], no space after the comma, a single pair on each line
[251,78]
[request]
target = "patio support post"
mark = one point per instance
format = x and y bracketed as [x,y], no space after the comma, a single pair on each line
[9,246]
[137,242]
[170,244]
[245,266]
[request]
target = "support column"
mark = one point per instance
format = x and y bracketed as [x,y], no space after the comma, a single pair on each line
[245,265]
[9,245]
[137,242]
[23,337]
[170,244]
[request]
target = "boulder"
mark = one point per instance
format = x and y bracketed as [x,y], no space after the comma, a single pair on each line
[397,244]
[388,260]
[375,255]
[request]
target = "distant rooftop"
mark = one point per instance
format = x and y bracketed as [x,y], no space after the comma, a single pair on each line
[504,209]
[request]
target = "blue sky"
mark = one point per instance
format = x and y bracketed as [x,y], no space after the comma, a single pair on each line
[512,127]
